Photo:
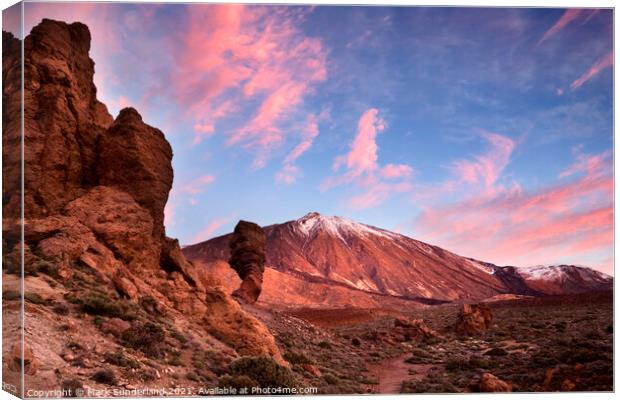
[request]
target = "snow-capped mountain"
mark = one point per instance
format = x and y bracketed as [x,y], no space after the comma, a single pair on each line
[322,254]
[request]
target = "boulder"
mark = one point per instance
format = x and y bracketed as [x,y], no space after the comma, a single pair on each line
[247,258]
[490,383]
[473,319]
[413,329]
[115,326]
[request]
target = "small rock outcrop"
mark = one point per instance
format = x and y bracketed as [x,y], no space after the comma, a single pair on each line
[473,319]
[413,329]
[491,383]
[247,257]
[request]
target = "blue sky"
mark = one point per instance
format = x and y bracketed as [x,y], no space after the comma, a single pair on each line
[485,131]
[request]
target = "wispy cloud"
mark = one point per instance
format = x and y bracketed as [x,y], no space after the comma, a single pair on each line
[211,228]
[488,167]
[565,220]
[606,61]
[566,18]
[236,54]
[309,132]
[362,167]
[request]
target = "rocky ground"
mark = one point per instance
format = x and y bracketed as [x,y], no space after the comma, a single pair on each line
[559,343]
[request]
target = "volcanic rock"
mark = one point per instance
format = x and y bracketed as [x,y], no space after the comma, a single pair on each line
[473,319]
[413,329]
[63,118]
[247,257]
[491,383]
[136,158]
[95,192]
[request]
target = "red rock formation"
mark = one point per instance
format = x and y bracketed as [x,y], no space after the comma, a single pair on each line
[95,192]
[247,258]
[473,319]
[413,329]
[491,383]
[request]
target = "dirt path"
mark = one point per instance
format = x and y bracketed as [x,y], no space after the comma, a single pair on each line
[391,373]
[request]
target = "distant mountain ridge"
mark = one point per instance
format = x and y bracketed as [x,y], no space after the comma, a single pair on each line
[336,252]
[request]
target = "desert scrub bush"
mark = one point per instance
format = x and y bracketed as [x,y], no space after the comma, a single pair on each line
[238,382]
[456,363]
[11,295]
[34,298]
[264,370]
[71,387]
[175,359]
[178,336]
[192,376]
[148,338]
[325,345]
[119,358]
[331,379]
[297,358]
[61,309]
[97,303]
[496,352]
[105,376]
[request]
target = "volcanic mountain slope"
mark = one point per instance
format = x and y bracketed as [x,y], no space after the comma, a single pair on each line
[332,254]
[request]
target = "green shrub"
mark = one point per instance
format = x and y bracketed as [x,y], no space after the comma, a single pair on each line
[61,309]
[297,358]
[331,379]
[96,303]
[238,382]
[178,336]
[105,376]
[71,387]
[11,295]
[148,338]
[34,298]
[456,363]
[192,376]
[496,351]
[119,358]
[264,370]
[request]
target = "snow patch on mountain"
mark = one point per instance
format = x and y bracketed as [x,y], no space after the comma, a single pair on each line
[338,227]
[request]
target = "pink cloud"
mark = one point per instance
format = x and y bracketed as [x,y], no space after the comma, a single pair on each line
[197,185]
[392,171]
[566,18]
[488,167]
[246,55]
[363,155]
[363,169]
[606,61]
[211,229]
[169,214]
[565,222]
[290,172]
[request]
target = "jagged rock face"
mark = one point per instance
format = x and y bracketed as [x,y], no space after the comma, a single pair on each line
[95,192]
[247,257]
[11,124]
[62,116]
[473,319]
[136,158]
